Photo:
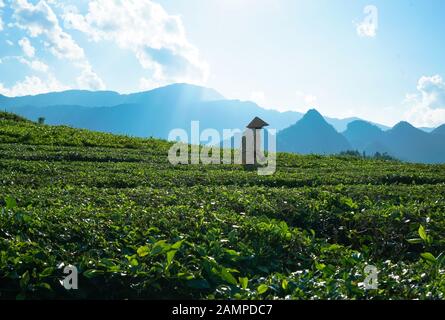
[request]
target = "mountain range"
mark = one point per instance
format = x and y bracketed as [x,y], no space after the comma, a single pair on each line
[155,113]
[312,134]
[151,113]
[403,141]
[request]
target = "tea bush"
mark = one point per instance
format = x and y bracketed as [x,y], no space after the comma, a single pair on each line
[137,227]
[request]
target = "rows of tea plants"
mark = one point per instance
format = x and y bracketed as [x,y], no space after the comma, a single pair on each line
[137,227]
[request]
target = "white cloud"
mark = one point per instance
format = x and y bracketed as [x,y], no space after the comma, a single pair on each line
[307,98]
[310,99]
[40,20]
[39,66]
[368,27]
[27,47]
[432,90]
[36,19]
[32,85]
[89,79]
[258,97]
[427,105]
[156,38]
[35,65]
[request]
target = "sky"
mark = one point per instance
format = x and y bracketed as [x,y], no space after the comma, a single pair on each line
[380,60]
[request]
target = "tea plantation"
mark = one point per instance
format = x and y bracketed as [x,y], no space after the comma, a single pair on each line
[137,227]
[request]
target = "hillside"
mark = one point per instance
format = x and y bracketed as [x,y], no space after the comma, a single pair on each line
[137,227]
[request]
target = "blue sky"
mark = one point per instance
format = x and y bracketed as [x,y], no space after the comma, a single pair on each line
[384,64]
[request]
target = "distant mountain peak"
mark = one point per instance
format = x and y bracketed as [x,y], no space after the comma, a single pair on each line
[312,134]
[72,96]
[404,125]
[313,115]
[204,93]
[361,124]
[362,127]
[439,130]
[362,135]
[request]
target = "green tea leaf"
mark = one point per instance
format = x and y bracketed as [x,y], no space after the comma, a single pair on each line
[91,273]
[284,284]
[231,252]
[422,233]
[262,288]
[243,282]
[198,284]
[349,202]
[159,247]
[170,256]
[46,273]
[320,266]
[428,256]
[134,262]
[24,279]
[227,276]
[10,202]
[143,251]
[177,245]
[44,285]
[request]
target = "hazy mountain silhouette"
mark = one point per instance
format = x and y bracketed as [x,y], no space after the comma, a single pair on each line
[151,113]
[408,143]
[311,134]
[341,125]
[361,134]
[439,130]
[166,95]
[403,141]
[156,118]
[71,97]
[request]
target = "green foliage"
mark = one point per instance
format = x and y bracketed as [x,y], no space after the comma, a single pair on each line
[11,117]
[137,227]
[357,154]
